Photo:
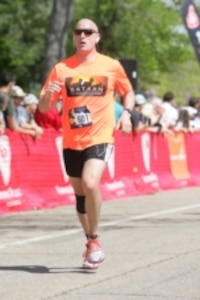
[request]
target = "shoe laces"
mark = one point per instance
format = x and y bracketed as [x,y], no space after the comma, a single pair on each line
[91,246]
[94,244]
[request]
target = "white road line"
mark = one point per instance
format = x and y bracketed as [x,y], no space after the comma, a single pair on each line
[107,224]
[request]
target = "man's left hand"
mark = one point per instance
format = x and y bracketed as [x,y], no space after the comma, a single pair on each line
[124,123]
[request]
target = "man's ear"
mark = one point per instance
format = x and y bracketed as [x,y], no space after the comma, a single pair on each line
[98,39]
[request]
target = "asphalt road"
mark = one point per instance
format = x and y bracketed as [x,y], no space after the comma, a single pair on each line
[152,247]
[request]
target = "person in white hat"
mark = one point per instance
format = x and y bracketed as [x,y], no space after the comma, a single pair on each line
[142,121]
[25,105]
[30,104]
[17,92]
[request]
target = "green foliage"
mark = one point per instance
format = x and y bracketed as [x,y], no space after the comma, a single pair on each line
[145,30]
[22,35]
[183,81]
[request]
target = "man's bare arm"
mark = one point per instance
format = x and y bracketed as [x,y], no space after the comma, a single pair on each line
[44,103]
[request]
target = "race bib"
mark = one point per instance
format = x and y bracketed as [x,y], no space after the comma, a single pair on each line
[79,117]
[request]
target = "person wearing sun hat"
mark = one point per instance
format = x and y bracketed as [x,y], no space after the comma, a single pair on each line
[24,110]
[140,99]
[30,104]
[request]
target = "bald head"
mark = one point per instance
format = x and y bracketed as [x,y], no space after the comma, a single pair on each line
[86,37]
[87,24]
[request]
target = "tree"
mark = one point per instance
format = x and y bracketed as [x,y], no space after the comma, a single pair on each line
[22,32]
[34,37]
[56,35]
[144,30]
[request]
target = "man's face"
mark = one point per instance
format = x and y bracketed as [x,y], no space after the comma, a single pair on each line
[86,36]
[18,100]
[32,107]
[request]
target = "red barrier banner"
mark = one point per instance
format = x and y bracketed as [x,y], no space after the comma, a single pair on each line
[32,173]
[192,144]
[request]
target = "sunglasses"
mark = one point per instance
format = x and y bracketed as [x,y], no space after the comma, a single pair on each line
[87,32]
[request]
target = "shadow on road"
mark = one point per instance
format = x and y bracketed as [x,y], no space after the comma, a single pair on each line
[45,270]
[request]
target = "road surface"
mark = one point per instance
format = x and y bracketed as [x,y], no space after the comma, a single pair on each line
[151,242]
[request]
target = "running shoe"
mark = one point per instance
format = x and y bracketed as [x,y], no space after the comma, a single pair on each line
[86,264]
[94,251]
[89,266]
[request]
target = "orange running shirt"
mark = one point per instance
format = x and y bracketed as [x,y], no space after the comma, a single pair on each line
[88,99]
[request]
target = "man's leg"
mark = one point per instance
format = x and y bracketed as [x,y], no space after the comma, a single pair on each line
[92,172]
[82,215]
[91,176]
[78,189]
[74,165]
[85,180]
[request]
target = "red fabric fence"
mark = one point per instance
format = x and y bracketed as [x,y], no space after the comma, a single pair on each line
[32,174]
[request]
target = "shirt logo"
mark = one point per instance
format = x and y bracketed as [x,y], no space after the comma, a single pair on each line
[86,86]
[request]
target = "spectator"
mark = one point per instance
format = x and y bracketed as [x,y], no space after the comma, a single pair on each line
[151,109]
[194,102]
[170,115]
[118,106]
[192,106]
[193,111]
[157,117]
[4,98]
[52,118]
[27,120]
[7,81]
[139,120]
[23,121]
[17,95]
[154,111]
[118,110]
[184,122]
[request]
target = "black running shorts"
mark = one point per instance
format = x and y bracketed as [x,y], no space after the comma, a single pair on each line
[74,159]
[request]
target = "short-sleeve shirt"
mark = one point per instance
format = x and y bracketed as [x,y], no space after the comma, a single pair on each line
[88,99]
[22,116]
[9,111]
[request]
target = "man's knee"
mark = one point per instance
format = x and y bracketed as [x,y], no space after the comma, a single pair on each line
[80,204]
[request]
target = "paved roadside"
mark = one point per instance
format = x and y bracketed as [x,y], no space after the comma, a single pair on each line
[151,243]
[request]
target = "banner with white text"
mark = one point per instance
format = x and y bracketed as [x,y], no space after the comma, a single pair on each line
[32,173]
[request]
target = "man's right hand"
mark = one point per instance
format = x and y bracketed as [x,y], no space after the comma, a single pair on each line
[55,87]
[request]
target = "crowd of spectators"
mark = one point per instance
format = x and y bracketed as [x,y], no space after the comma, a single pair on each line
[19,111]
[163,114]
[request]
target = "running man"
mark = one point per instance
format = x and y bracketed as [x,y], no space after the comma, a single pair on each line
[86,82]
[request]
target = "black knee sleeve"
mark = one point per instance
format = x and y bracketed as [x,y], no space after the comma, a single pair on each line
[80,204]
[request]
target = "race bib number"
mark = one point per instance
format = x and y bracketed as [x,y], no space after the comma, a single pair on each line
[79,117]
